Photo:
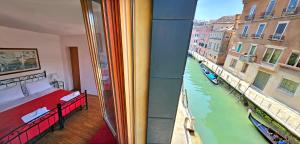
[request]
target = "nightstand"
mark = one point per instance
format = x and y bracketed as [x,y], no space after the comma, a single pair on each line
[58,84]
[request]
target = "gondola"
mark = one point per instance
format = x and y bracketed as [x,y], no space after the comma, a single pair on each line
[272,136]
[211,76]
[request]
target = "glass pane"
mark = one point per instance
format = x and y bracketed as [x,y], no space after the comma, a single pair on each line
[289,86]
[270,7]
[244,69]
[298,65]
[292,5]
[275,56]
[260,29]
[245,30]
[261,80]
[268,55]
[106,86]
[280,28]
[252,50]
[293,59]
[239,47]
[252,10]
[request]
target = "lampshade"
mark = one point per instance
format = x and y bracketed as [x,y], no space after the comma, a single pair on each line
[53,77]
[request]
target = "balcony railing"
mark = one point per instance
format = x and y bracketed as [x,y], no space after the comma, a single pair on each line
[249,17]
[257,36]
[247,58]
[277,37]
[243,35]
[267,15]
[286,11]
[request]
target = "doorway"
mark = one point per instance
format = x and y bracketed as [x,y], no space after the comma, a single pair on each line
[75,68]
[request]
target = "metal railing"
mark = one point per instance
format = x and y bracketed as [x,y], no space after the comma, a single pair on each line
[257,36]
[247,58]
[277,37]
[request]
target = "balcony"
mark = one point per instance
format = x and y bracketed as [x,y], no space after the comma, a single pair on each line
[243,35]
[257,36]
[286,12]
[266,15]
[249,17]
[276,37]
[247,58]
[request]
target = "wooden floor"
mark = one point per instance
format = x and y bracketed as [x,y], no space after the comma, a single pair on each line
[79,128]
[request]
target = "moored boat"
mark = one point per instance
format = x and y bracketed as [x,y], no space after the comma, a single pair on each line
[269,134]
[211,76]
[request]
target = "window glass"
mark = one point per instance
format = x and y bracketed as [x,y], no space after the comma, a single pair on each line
[252,10]
[293,59]
[280,28]
[288,85]
[252,50]
[270,7]
[233,63]
[275,56]
[106,81]
[261,80]
[245,30]
[298,64]
[260,29]
[244,68]
[239,47]
[268,54]
[292,5]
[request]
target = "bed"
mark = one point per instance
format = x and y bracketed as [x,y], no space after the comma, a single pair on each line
[14,130]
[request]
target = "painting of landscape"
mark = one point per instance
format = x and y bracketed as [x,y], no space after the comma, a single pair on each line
[15,60]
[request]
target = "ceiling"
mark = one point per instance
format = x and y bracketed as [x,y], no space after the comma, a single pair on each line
[61,17]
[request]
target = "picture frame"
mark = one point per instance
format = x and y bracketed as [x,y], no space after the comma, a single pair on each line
[18,60]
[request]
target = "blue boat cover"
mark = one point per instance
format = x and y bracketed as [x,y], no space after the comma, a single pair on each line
[211,76]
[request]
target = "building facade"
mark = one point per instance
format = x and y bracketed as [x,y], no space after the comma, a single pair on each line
[266,49]
[200,35]
[211,39]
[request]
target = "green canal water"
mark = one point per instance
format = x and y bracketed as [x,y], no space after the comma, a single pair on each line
[220,118]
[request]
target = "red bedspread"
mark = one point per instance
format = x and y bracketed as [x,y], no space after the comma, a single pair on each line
[11,119]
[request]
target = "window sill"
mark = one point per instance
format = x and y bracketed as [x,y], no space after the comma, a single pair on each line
[290,67]
[285,92]
[268,66]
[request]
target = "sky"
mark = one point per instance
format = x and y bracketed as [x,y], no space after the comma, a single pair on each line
[214,9]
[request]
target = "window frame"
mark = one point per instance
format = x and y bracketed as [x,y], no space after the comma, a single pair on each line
[232,60]
[251,11]
[270,12]
[242,33]
[262,29]
[274,48]
[244,70]
[281,22]
[285,90]
[287,8]
[254,52]
[297,61]
[238,43]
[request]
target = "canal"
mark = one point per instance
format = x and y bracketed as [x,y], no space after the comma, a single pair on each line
[220,118]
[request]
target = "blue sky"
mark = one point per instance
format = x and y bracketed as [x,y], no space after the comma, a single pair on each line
[213,9]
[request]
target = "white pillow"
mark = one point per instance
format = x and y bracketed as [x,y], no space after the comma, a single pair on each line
[10,94]
[37,86]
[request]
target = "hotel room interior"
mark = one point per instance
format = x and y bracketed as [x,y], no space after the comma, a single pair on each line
[91,71]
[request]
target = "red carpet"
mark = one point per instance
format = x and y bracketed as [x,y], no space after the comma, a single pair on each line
[103,136]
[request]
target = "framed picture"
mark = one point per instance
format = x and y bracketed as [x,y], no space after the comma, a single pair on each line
[16,60]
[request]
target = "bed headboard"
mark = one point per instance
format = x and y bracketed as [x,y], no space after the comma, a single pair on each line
[22,79]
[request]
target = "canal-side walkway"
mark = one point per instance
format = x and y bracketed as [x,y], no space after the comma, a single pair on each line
[180,134]
[277,110]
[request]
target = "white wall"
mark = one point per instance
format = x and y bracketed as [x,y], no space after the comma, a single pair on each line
[48,46]
[86,72]
[53,53]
